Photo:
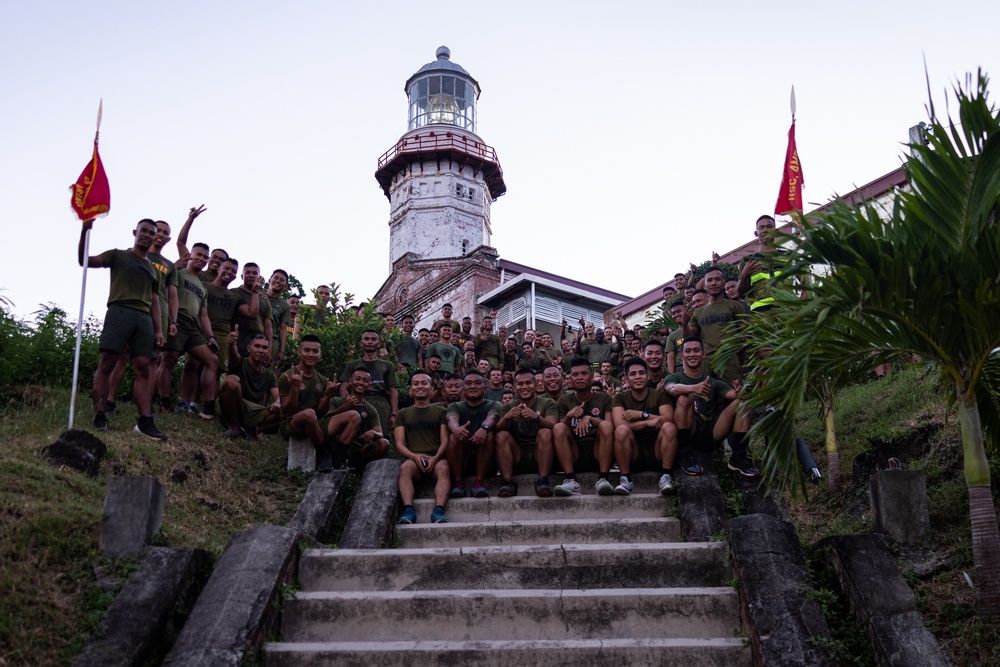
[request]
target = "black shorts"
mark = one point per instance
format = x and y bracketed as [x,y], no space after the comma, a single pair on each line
[188,337]
[127,326]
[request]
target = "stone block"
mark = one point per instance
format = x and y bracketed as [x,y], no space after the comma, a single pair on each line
[301,454]
[883,601]
[783,625]
[236,611]
[133,513]
[318,509]
[374,513]
[134,628]
[899,505]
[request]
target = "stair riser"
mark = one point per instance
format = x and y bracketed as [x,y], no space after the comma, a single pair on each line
[511,533]
[458,616]
[468,510]
[485,568]
[635,656]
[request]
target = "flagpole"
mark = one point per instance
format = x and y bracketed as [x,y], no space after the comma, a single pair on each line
[83,296]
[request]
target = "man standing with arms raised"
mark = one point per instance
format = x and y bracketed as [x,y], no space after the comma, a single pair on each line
[133,320]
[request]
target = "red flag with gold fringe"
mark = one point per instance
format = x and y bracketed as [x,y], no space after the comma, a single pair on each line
[91,192]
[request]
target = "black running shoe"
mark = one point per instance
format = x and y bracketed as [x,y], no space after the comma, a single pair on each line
[101,422]
[146,427]
[744,466]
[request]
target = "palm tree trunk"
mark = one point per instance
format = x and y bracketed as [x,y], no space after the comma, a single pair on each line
[982,512]
[832,454]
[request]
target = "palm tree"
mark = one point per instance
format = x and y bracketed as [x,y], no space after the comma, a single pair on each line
[926,281]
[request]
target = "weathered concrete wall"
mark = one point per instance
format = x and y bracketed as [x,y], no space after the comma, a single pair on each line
[781,622]
[136,625]
[236,611]
[883,601]
[374,513]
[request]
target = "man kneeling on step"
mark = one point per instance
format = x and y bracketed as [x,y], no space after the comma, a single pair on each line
[248,398]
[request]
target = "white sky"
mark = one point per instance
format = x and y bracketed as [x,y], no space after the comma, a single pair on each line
[635,137]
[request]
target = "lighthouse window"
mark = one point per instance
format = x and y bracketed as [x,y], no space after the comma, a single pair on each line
[435,85]
[449,85]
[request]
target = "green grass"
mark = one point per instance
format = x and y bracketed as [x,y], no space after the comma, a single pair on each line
[51,597]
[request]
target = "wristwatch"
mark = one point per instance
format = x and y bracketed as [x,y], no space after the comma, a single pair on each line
[645,415]
[485,427]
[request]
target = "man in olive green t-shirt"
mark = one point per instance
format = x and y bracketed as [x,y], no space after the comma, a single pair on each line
[524,436]
[133,319]
[421,437]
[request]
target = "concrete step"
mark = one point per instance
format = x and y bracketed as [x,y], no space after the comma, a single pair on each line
[493,615]
[563,531]
[477,510]
[645,482]
[662,565]
[717,652]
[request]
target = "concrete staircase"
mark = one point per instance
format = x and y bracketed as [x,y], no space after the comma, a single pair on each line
[585,580]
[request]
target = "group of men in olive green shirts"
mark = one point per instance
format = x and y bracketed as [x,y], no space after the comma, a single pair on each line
[190,310]
[629,402]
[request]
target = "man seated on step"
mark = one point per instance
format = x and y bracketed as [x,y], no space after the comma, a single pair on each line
[421,437]
[645,436]
[471,439]
[584,436]
[305,394]
[248,399]
[707,410]
[355,428]
[524,436]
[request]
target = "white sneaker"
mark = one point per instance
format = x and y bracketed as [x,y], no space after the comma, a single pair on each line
[569,487]
[624,487]
[666,484]
[603,487]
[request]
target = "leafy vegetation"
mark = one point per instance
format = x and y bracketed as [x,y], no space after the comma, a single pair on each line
[922,281]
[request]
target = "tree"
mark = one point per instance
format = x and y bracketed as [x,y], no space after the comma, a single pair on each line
[924,281]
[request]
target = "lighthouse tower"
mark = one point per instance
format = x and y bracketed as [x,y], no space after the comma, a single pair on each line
[440,178]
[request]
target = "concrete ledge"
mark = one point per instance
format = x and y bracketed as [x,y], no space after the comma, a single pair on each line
[783,625]
[318,509]
[883,601]
[235,613]
[702,509]
[301,454]
[134,628]
[373,514]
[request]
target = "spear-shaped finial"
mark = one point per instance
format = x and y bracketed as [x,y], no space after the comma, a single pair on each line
[100,112]
[792,104]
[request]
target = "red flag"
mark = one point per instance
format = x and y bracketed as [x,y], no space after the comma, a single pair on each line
[790,195]
[91,192]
